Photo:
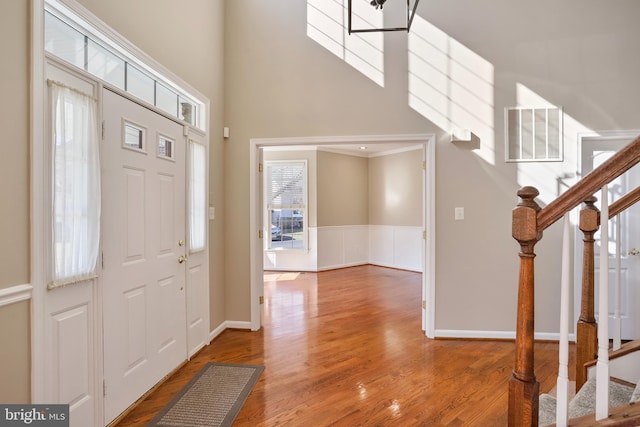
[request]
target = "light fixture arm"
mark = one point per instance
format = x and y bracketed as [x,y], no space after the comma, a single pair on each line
[378,4]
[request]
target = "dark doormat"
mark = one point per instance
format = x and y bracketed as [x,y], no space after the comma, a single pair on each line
[213,397]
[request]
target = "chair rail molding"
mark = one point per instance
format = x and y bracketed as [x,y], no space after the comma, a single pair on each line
[14,294]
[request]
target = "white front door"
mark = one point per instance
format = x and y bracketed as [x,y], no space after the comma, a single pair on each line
[595,152]
[143,235]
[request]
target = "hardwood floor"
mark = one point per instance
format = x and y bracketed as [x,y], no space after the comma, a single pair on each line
[345,348]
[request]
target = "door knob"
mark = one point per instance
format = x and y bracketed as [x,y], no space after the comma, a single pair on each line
[634,251]
[182,259]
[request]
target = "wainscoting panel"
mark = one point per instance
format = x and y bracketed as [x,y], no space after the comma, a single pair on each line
[407,248]
[396,247]
[342,246]
[380,245]
[349,245]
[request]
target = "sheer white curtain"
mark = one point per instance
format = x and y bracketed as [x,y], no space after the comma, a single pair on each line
[76,185]
[197,197]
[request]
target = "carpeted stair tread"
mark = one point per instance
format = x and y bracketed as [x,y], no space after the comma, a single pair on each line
[635,397]
[584,402]
[547,410]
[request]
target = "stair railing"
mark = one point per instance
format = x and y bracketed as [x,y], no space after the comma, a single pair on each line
[528,223]
[586,328]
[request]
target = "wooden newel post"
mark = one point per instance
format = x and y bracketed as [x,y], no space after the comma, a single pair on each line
[587,328]
[524,389]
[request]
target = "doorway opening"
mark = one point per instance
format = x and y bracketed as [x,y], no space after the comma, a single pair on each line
[381,143]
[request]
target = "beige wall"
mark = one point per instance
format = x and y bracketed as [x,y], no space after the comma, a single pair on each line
[14,170]
[14,353]
[14,198]
[395,189]
[279,82]
[187,38]
[343,190]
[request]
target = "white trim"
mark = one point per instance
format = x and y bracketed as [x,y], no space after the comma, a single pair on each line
[498,335]
[429,209]
[217,331]
[255,209]
[15,294]
[396,151]
[237,324]
[228,324]
[38,206]
[337,140]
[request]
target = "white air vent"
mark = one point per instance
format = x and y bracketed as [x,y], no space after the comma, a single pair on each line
[534,134]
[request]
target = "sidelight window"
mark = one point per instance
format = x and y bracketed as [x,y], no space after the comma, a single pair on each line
[76,185]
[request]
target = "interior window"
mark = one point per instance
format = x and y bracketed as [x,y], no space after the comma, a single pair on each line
[286,198]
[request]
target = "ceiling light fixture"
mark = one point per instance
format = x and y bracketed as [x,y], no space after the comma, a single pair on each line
[379,4]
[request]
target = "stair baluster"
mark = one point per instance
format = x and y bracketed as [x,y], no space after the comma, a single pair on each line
[562,407]
[602,367]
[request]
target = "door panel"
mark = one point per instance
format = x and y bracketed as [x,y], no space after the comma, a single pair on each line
[143,223]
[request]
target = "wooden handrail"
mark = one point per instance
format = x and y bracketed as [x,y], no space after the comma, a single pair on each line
[623,203]
[528,223]
[615,166]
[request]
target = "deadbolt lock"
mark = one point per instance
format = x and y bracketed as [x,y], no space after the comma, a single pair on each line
[181,242]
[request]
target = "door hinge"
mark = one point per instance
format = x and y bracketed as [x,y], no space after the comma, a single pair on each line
[102,131]
[261,299]
[424,235]
[260,167]
[260,233]
[424,305]
[424,164]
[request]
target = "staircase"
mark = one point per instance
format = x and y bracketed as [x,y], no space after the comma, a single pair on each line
[584,402]
[599,401]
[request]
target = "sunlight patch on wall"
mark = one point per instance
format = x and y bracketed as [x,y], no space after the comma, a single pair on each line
[451,85]
[550,178]
[326,25]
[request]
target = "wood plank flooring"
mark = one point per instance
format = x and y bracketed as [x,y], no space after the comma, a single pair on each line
[345,348]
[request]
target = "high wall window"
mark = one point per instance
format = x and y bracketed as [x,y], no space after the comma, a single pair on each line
[76,185]
[79,46]
[286,205]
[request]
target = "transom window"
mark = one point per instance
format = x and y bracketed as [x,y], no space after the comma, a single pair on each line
[68,40]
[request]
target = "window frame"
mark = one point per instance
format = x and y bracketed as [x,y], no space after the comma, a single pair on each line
[269,207]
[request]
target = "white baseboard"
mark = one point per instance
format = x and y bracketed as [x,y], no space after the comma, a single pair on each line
[228,324]
[235,324]
[335,267]
[500,335]
[14,294]
[406,268]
